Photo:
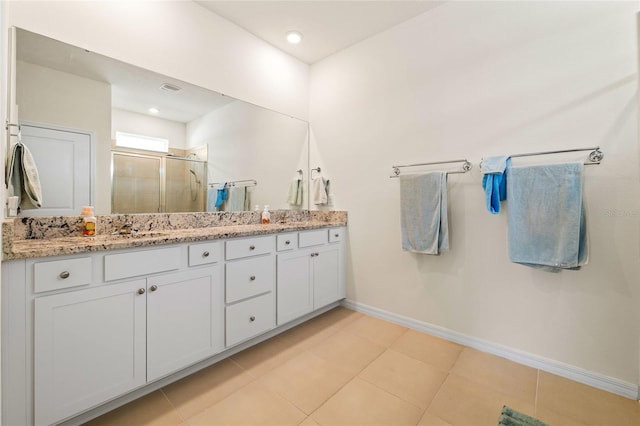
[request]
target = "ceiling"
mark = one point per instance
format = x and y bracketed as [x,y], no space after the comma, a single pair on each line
[327,26]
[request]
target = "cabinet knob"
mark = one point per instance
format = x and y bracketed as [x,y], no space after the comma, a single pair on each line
[336,235]
[153,287]
[252,318]
[141,291]
[64,275]
[286,243]
[252,247]
[205,254]
[252,278]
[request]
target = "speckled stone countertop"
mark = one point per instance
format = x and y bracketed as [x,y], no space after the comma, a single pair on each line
[62,235]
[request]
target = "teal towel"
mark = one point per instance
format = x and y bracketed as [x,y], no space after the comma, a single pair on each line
[423,205]
[546,221]
[494,181]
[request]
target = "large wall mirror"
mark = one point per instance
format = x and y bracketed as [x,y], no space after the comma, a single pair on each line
[220,153]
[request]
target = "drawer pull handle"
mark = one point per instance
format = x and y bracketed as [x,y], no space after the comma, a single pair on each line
[336,235]
[252,278]
[141,291]
[64,275]
[252,318]
[252,247]
[286,243]
[205,254]
[153,287]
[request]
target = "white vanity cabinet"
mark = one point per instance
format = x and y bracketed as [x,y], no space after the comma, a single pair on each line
[89,347]
[80,331]
[312,276]
[250,284]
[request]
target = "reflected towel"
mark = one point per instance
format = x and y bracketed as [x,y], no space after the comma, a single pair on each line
[423,208]
[546,220]
[22,177]
[221,194]
[494,181]
[294,197]
[212,195]
[320,191]
[236,200]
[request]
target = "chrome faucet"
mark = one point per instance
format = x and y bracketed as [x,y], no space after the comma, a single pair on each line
[126,229]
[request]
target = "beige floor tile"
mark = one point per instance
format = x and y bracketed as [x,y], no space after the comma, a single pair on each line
[267,355]
[319,328]
[252,405]
[347,352]
[406,377]
[430,420]
[497,373]
[206,387]
[361,403]
[585,404]
[430,349]
[379,331]
[306,381]
[151,410]
[309,422]
[463,402]
[555,419]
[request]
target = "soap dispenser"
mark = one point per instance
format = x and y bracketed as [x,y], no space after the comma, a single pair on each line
[89,221]
[266,216]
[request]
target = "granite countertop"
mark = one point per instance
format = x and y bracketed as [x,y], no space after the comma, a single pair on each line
[58,236]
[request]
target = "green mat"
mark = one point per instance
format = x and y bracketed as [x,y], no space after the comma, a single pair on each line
[511,417]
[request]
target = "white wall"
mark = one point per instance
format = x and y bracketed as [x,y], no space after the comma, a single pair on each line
[474,79]
[143,124]
[179,39]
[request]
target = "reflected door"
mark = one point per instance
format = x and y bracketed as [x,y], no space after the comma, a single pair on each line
[135,184]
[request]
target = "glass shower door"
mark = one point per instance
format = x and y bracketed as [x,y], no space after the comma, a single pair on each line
[135,183]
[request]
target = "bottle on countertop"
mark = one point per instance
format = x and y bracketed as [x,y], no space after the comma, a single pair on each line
[266,216]
[89,221]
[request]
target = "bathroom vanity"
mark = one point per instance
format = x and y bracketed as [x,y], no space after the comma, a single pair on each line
[124,315]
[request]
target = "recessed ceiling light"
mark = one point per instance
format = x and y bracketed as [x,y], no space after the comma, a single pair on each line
[153,110]
[294,37]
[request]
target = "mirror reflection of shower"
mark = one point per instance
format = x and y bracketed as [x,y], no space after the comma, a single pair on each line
[148,182]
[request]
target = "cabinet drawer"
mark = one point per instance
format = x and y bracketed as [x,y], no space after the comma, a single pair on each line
[125,265]
[250,318]
[336,235]
[286,241]
[253,246]
[250,277]
[313,238]
[205,253]
[59,274]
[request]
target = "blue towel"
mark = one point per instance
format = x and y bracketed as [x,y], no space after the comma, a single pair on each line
[423,206]
[221,195]
[494,181]
[546,220]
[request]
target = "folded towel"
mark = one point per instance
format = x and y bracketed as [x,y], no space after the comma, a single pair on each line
[320,191]
[423,205]
[22,177]
[546,220]
[212,195]
[294,197]
[494,181]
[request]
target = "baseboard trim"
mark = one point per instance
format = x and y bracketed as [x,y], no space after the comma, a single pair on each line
[600,381]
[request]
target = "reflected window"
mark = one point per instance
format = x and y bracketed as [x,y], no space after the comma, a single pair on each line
[148,143]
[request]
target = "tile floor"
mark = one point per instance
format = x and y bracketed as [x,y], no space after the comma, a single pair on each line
[347,368]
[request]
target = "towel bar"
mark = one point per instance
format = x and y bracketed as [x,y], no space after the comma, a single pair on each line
[466,166]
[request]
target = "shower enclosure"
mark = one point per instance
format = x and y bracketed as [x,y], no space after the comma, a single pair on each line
[143,183]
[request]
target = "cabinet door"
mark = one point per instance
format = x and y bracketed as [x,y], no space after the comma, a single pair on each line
[89,347]
[185,319]
[326,275]
[295,291]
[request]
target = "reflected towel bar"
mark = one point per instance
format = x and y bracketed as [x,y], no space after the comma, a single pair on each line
[248,182]
[466,166]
